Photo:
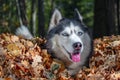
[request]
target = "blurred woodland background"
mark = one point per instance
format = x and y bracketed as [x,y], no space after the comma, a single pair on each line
[103,16]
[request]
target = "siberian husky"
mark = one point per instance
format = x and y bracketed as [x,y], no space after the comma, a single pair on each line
[68,40]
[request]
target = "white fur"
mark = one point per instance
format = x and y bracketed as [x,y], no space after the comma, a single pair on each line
[61,45]
[24,32]
[58,41]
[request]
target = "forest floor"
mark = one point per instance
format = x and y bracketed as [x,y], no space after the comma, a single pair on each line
[22,59]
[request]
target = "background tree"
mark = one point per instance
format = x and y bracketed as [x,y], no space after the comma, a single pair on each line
[105,17]
[21,7]
[118,14]
[33,17]
[41,19]
[35,14]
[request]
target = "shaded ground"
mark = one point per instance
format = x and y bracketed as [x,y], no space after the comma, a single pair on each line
[22,59]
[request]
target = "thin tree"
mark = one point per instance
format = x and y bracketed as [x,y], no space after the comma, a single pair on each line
[22,12]
[33,17]
[41,19]
[118,14]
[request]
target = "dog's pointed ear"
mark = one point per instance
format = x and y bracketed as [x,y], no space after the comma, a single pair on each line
[77,15]
[56,17]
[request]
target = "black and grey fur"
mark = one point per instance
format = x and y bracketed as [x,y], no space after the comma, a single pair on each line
[68,37]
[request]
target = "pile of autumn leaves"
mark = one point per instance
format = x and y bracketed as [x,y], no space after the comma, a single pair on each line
[22,59]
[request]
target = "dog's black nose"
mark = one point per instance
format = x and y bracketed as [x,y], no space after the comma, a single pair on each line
[77,45]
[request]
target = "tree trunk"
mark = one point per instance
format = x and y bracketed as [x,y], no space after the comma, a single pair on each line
[110,6]
[33,17]
[41,25]
[118,15]
[104,19]
[22,7]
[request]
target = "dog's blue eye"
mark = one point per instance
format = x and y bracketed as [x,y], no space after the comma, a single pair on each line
[65,34]
[80,33]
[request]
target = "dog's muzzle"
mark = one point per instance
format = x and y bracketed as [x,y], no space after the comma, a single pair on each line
[75,55]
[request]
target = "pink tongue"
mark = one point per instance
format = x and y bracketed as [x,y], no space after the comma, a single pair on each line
[76,57]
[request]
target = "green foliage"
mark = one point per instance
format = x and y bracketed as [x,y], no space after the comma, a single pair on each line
[9,19]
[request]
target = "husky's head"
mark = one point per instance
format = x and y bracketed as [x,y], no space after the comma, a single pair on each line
[68,39]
